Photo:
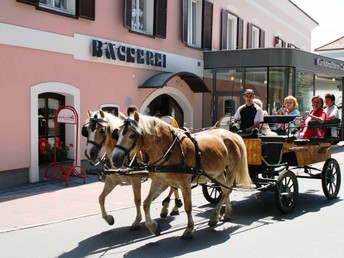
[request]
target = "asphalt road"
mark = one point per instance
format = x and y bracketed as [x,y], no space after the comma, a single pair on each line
[257,229]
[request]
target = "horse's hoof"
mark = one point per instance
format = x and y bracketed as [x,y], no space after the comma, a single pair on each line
[110,220]
[178,203]
[186,237]
[157,231]
[212,223]
[135,227]
[163,215]
[174,213]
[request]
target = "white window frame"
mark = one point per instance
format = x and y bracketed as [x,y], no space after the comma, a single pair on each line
[50,4]
[148,16]
[232,31]
[195,23]
[255,37]
[109,106]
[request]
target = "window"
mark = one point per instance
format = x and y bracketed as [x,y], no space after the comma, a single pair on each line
[197,23]
[279,42]
[255,37]
[231,31]
[147,17]
[74,8]
[110,108]
[48,103]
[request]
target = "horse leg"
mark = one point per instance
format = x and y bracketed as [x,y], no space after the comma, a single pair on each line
[188,233]
[165,204]
[177,202]
[216,213]
[109,185]
[136,185]
[154,191]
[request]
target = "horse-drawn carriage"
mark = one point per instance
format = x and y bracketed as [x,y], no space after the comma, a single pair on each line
[275,162]
[217,159]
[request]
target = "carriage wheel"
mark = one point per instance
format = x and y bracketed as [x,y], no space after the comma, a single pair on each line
[212,193]
[286,191]
[331,178]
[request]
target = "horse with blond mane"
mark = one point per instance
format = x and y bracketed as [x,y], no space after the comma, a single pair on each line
[98,131]
[178,159]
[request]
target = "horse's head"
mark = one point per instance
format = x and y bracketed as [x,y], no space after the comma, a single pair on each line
[128,136]
[96,131]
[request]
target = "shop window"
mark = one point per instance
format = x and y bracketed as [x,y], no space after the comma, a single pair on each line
[255,36]
[280,85]
[327,84]
[197,23]
[231,31]
[110,108]
[256,79]
[146,17]
[48,103]
[304,90]
[74,8]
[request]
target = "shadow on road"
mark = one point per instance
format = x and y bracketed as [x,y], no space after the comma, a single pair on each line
[253,211]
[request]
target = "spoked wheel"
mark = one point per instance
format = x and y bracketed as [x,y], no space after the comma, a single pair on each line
[331,178]
[212,193]
[286,191]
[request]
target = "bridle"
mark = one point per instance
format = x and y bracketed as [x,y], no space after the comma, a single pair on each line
[93,122]
[129,122]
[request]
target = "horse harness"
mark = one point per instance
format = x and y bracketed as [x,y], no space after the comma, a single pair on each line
[93,122]
[180,168]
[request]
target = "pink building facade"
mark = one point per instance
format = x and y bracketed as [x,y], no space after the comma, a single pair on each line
[91,54]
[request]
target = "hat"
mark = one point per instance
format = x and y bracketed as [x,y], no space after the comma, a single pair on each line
[249,91]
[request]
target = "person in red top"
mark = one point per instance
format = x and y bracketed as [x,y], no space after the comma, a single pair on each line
[317,114]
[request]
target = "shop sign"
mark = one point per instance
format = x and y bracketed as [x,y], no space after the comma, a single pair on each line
[130,54]
[66,116]
[330,64]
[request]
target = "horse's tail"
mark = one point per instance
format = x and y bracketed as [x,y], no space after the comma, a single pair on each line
[242,176]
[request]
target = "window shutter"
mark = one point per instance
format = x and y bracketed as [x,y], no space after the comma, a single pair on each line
[262,38]
[207,25]
[249,35]
[223,29]
[127,14]
[87,9]
[240,34]
[32,2]
[185,21]
[160,18]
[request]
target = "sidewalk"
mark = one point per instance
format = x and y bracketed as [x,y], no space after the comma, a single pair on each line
[39,203]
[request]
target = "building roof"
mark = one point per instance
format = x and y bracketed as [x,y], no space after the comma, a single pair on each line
[334,45]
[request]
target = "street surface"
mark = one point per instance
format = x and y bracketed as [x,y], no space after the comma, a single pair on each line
[257,229]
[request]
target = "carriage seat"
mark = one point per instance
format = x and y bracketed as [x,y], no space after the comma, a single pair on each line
[277,138]
[278,119]
[328,125]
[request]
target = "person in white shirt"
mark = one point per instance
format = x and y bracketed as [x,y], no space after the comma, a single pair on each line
[250,114]
[331,111]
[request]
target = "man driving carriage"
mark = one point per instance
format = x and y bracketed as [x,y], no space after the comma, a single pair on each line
[250,114]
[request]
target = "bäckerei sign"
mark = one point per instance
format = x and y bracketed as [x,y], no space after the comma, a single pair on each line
[124,53]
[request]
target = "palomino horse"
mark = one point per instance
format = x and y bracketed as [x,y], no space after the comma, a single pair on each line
[216,155]
[98,131]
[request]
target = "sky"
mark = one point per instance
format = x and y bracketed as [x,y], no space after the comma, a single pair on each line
[329,15]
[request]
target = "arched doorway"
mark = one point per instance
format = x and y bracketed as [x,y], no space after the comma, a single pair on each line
[165,105]
[72,97]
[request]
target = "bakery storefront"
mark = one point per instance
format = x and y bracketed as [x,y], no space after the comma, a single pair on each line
[273,73]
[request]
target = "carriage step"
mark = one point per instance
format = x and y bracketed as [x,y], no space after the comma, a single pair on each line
[267,187]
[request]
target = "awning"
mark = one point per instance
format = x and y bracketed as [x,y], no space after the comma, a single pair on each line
[159,80]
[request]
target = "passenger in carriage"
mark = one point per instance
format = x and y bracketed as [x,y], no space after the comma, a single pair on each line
[264,128]
[250,114]
[331,111]
[289,109]
[316,114]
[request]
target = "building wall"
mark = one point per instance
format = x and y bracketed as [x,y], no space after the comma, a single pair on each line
[45,52]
